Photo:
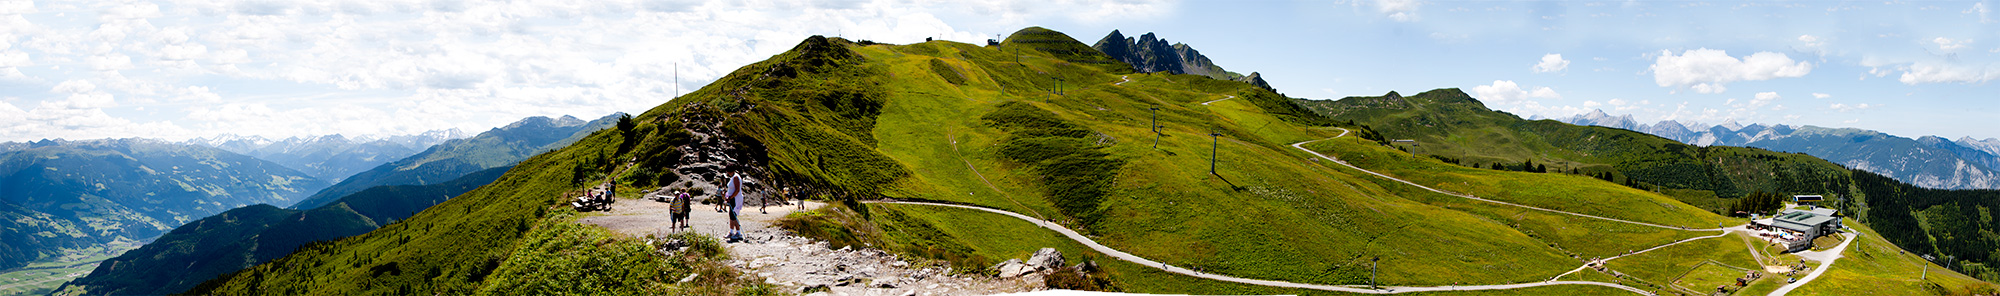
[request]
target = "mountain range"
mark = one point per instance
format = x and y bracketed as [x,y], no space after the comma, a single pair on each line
[392,191]
[330,157]
[1928,161]
[58,194]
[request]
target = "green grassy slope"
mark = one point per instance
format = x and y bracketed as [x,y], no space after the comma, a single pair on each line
[1450,123]
[1873,266]
[246,236]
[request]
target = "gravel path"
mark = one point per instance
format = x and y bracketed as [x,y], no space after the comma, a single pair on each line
[1825,258]
[1223,99]
[800,263]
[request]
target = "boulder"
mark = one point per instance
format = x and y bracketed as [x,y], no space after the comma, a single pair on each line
[1013,268]
[1046,258]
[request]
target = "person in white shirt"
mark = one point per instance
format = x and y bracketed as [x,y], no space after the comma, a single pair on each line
[734,195]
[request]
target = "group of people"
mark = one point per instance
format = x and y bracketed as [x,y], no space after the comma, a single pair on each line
[731,193]
[594,199]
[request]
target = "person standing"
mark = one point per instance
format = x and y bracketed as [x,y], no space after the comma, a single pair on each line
[679,208]
[764,201]
[734,196]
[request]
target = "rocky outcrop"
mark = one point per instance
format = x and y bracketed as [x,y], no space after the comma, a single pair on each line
[1148,54]
[1044,259]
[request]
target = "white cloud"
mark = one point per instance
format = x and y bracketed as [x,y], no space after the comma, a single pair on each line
[391,67]
[1985,14]
[1399,10]
[1856,107]
[1507,92]
[1551,63]
[1764,99]
[1810,40]
[1937,72]
[1708,70]
[1946,44]
[1821,96]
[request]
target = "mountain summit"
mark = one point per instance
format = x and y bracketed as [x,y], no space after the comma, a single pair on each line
[1149,54]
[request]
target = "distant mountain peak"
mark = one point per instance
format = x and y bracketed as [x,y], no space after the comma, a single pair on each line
[1148,54]
[1730,124]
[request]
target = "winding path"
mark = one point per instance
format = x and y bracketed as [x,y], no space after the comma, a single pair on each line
[1223,99]
[1086,241]
[1829,254]
[1344,132]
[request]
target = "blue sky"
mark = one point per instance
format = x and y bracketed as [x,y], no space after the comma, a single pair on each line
[184,69]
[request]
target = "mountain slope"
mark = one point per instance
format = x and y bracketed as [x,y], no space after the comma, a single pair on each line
[1451,124]
[250,235]
[501,146]
[949,122]
[70,194]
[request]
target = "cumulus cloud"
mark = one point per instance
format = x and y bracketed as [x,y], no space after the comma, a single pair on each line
[1763,99]
[1507,92]
[287,68]
[1551,63]
[1821,96]
[1937,72]
[1708,70]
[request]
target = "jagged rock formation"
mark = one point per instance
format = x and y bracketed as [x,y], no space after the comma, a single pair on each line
[1148,54]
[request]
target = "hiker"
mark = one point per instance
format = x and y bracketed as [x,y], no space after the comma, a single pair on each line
[678,209]
[802,198]
[733,194]
[764,201]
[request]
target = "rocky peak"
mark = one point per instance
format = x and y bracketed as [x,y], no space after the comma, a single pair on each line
[1148,54]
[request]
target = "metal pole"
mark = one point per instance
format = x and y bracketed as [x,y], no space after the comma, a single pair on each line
[1156,127]
[1212,140]
[1371,272]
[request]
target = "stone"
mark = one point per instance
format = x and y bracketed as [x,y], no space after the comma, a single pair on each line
[1046,258]
[1013,268]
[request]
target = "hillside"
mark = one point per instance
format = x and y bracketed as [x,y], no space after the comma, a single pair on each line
[944,122]
[250,235]
[1450,124]
[501,146]
[58,194]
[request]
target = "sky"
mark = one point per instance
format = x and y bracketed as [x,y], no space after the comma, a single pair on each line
[177,70]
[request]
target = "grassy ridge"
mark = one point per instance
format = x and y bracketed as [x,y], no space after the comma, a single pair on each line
[1450,123]
[1162,203]
[1873,266]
